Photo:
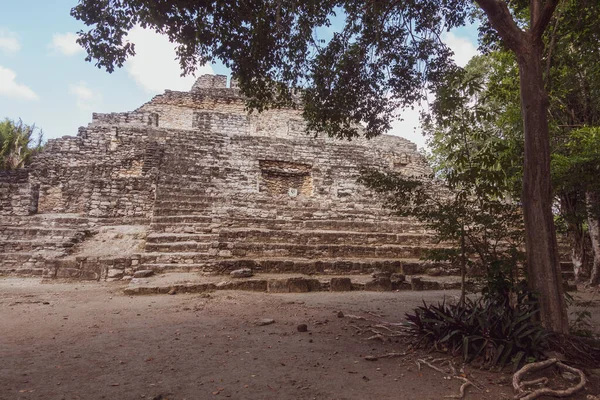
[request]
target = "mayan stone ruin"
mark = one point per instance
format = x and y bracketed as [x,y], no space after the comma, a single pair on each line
[191,181]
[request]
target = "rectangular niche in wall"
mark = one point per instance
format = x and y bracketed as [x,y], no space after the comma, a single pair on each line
[283,177]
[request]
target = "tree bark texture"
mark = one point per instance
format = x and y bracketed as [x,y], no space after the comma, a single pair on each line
[540,236]
[543,265]
[593,201]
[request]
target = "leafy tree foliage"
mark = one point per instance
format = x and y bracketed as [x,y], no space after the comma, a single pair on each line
[576,169]
[477,229]
[474,128]
[18,143]
[378,62]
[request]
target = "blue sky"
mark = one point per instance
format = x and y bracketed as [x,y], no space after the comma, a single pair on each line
[45,80]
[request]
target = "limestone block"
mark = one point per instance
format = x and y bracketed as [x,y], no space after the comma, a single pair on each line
[416,284]
[379,285]
[277,286]
[241,273]
[298,285]
[143,273]
[114,274]
[340,285]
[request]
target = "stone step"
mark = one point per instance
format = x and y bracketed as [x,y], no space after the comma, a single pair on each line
[177,204]
[50,220]
[257,201]
[29,232]
[205,210]
[177,247]
[185,283]
[180,237]
[273,249]
[270,212]
[200,223]
[11,246]
[203,263]
[191,257]
[295,214]
[181,189]
[182,219]
[175,196]
[167,227]
[317,225]
[321,237]
[365,226]
[26,263]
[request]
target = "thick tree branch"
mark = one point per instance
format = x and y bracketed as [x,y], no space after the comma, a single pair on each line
[541,17]
[503,22]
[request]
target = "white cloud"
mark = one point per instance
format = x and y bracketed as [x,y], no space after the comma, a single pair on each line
[10,88]
[463,48]
[65,43]
[154,67]
[9,41]
[410,126]
[85,98]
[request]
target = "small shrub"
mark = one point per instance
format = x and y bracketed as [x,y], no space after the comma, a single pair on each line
[497,333]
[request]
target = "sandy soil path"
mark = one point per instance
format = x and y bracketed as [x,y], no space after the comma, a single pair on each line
[89,341]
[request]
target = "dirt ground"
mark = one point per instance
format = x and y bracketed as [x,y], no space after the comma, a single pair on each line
[89,341]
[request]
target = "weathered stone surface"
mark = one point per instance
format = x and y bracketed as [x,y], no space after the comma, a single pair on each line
[241,273]
[436,271]
[254,285]
[217,188]
[420,284]
[277,286]
[379,285]
[293,285]
[340,285]
[417,284]
[381,274]
[298,285]
[143,273]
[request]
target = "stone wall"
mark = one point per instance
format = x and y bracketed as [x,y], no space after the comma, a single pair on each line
[101,172]
[18,196]
[110,169]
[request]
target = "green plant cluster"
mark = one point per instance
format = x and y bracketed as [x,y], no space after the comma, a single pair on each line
[18,143]
[495,332]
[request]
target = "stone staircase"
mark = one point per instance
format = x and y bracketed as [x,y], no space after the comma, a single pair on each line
[28,243]
[192,231]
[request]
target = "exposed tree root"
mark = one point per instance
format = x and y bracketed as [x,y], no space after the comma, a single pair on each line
[356,317]
[463,388]
[377,337]
[530,395]
[420,360]
[392,355]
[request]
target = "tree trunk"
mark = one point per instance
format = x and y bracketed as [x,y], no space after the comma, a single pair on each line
[463,266]
[540,236]
[593,201]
